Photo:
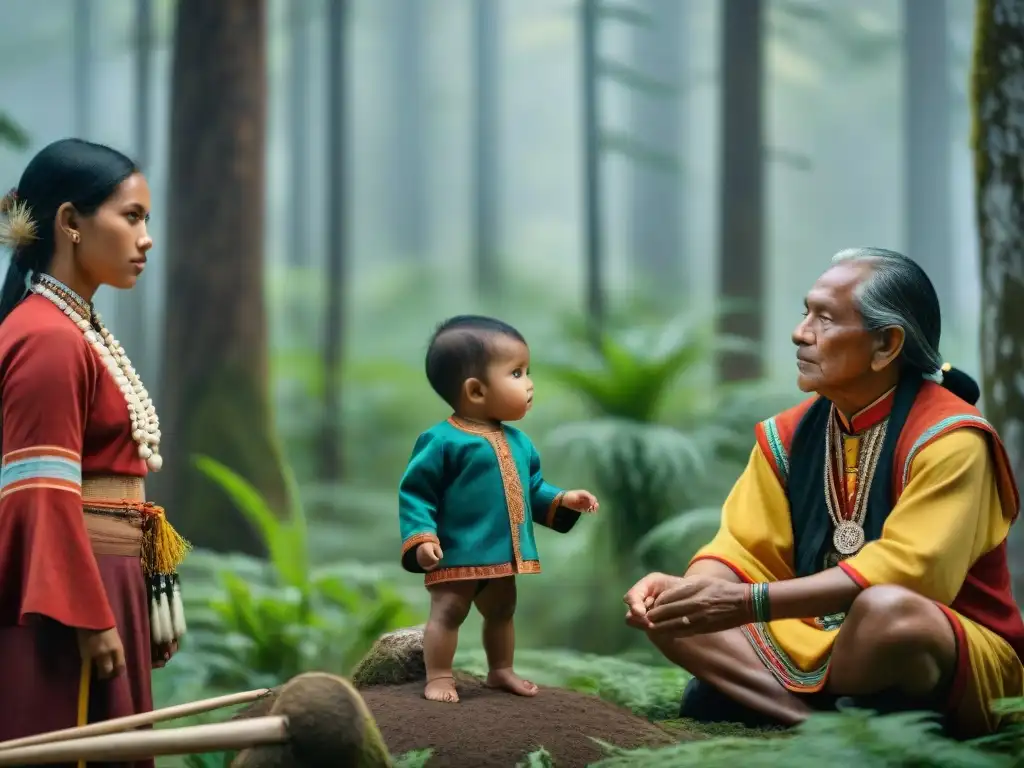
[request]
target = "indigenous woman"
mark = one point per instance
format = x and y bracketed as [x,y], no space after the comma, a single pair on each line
[89,599]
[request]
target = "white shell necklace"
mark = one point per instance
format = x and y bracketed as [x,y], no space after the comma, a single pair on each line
[145,423]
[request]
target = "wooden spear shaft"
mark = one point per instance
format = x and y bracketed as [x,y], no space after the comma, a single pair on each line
[137,721]
[139,745]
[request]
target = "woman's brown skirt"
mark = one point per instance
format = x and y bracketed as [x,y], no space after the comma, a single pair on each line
[41,668]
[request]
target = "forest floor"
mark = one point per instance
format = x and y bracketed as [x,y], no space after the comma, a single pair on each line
[623,716]
[494,729]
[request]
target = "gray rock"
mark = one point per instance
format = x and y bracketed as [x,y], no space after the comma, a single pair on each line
[396,657]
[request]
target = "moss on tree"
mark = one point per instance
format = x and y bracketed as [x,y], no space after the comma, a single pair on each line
[998,148]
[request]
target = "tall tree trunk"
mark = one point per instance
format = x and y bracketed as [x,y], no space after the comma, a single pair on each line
[927,144]
[998,144]
[298,254]
[656,194]
[83,78]
[486,43]
[411,220]
[741,195]
[215,356]
[131,305]
[83,44]
[593,189]
[337,239]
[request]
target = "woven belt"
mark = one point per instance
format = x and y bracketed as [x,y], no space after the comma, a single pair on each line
[111,489]
[114,528]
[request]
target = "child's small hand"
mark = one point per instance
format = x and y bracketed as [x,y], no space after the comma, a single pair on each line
[428,555]
[580,501]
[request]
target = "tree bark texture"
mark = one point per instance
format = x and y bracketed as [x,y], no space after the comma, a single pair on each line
[215,371]
[927,135]
[998,143]
[741,206]
[656,226]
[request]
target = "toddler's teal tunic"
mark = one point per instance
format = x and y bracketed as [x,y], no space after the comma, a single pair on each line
[477,490]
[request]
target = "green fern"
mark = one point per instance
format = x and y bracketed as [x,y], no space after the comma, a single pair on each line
[417,758]
[657,424]
[682,535]
[286,539]
[539,758]
[266,622]
[847,738]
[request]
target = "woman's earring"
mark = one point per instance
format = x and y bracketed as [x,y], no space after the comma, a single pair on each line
[74,237]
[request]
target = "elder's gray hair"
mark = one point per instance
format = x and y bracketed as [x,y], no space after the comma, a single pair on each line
[898,293]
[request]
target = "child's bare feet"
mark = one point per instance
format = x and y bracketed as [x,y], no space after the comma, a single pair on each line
[507,680]
[441,689]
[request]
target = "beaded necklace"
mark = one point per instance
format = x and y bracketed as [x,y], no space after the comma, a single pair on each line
[145,423]
[848,536]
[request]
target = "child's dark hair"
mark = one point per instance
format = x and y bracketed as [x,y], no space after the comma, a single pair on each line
[461,349]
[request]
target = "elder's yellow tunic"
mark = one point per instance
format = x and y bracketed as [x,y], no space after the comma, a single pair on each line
[949,518]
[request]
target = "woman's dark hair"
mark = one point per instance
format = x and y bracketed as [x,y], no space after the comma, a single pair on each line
[67,171]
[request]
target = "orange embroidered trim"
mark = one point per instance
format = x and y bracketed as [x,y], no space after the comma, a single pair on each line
[474,427]
[782,667]
[466,572]
[549,521]
[418,538]
[514,498]
[41,451]
[31,485]
[513,492]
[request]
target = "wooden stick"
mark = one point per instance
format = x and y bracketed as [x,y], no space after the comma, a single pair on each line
[139,745]
[137,721]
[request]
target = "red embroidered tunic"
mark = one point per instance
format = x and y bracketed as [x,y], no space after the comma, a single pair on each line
[64,418]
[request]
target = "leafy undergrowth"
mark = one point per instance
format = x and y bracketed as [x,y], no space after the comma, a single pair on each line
[847,738]
[856,738]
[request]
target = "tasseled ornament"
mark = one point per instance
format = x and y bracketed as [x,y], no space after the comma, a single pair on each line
[161,629]
[163,550]
[177,610]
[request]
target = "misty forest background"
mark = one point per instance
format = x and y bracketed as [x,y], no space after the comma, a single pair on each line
[646,189]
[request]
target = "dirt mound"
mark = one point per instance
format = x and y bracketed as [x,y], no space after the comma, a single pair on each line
[492,729]
[487,728]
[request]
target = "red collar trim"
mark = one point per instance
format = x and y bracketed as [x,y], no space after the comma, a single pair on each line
[868,417]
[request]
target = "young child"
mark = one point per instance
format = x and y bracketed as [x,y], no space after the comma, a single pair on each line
[470,495]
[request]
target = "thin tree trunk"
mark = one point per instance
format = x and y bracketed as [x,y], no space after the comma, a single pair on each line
[298,254]
[592,187]
[83,43]
[131,305]
[927,144]
[998,144]
[215,357]
[411,221]
[741,196]
[486,55]
[656,194]
[337,240]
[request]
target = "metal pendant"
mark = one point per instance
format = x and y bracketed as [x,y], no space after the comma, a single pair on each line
[848,537]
